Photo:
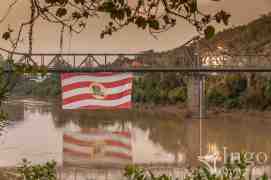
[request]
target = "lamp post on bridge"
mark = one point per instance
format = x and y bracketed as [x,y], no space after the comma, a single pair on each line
[196,88]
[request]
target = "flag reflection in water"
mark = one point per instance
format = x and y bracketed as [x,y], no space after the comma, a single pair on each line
[97,147]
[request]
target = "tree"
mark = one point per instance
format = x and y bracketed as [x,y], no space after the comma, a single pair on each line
[153,15]
[8,81]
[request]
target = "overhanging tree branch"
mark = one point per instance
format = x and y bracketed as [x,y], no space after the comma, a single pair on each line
[154,15]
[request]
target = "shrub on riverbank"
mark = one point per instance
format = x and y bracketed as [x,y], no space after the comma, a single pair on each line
[237,170]
[232,170]
[27,171]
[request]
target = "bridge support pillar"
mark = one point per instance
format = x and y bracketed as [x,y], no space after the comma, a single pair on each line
[196,97]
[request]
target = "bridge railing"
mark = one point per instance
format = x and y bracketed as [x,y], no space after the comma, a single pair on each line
[187,62]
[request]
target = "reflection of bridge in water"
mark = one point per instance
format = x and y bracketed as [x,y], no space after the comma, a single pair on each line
[92,153]
[112,167]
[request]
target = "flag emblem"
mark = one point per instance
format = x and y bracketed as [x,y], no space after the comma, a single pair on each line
[97,147]
[96,90]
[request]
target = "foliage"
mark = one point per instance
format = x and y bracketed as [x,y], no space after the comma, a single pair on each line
[231,171]
[45,171]
[264,177]
[232,103]
[9,79]
[237,170]
[215,97]
[251,38]
[136,173]
[156,16]
[267,93]
[159,88]
[147,88]
[49,87]
[3,121]
[229,92]
[177,94]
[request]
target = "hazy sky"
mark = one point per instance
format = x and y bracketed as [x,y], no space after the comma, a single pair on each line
[130,39]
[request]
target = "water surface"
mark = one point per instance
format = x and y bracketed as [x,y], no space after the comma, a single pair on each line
[37,126]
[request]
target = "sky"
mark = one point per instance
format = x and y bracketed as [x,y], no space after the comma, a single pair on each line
[130,39]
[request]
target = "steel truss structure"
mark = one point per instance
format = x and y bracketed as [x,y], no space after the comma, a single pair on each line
[99,62]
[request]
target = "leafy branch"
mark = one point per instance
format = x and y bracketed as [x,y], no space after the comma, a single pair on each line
[155,16]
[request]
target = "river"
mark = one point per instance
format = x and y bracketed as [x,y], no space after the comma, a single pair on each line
[36,131]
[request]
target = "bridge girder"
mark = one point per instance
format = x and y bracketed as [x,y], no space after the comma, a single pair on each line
[101,62]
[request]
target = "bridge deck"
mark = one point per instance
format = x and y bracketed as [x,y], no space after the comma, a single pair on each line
[204,70]
[106,62]
[169,69]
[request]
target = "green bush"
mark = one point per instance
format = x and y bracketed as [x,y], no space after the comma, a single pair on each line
[267,91]
[233,103]
[230,171]
[215,97]
[136,173]
[236,84]
[163,96]
[45,171]
[177,94]
[154,88]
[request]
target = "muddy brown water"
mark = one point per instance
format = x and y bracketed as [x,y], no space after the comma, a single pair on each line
[36,129]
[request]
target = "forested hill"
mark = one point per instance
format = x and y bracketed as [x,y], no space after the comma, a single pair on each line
[254,37]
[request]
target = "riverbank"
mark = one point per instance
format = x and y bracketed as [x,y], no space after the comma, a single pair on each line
[179,110]
[72,173]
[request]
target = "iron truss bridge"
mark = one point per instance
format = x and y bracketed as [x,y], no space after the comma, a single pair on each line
[125,62]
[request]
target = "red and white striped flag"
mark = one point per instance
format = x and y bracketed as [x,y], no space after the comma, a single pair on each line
[97,147]
[96,90]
